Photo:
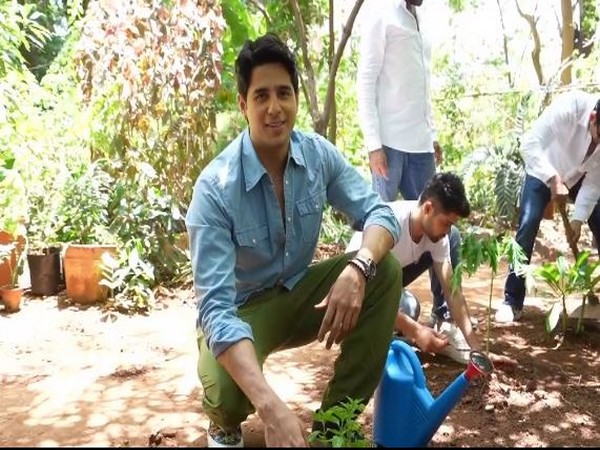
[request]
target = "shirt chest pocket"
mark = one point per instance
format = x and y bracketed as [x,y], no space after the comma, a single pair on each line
[253,245]
[310,213]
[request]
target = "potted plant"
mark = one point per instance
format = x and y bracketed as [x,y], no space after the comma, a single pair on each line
[86,232]
[11,293]
[43,255]
[13,199]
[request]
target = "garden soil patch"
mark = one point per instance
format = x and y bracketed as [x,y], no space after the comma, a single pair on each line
[81,376]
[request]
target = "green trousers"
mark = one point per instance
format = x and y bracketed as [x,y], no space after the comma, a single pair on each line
[282,319]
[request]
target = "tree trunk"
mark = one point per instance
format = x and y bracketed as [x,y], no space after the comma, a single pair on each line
[505,44]
[537,47]
[320,119]
[568,41]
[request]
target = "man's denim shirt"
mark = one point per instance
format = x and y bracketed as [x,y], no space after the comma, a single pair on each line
[239,244]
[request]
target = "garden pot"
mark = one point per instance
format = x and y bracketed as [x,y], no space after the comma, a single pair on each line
[5,267]
[11,297]
[44,271]
[83,272]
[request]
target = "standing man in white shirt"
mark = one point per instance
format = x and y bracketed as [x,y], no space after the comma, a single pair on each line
[394,107]
[561,159]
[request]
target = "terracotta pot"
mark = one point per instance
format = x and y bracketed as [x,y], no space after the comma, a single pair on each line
[82,265]
[5,267]
[11,297]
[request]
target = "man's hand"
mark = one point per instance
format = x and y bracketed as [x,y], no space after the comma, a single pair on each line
[503,362]
[378,163]
[343,303]
[439,157]
[283,428]
[557,187]
[574,234]
[429,340]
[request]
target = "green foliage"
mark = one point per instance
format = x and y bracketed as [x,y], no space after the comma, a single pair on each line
[14,256]
[53,16]
[565,279]
[339,426]
[129,280]
[479,248]
[149,73]
[19,28]
[146,219]
[334,228]
[12,193]
[84,208]
[497,173]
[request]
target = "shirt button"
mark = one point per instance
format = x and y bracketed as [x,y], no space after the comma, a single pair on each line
[254,241]
[286,182]
[287,254]
[289,219]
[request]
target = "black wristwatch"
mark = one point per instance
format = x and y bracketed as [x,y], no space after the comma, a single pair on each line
[366,266]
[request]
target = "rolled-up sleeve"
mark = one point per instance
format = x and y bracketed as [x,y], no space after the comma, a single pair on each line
[349,192]
[213,262]
[587,197]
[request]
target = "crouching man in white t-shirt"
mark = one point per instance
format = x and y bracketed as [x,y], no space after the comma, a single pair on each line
[427,233]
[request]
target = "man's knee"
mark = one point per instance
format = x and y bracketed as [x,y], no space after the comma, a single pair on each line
[224,402]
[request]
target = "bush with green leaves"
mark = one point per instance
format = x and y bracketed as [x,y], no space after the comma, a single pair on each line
[149,71]
[84,208]
[130,281]
[565,279]
[339,426]
[147,219]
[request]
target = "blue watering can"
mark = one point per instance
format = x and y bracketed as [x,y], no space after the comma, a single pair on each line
[405,413]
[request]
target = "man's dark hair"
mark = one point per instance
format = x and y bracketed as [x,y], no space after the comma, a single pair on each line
[448,191]
[266,49]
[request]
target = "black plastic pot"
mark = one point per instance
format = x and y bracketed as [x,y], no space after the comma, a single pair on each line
[45,271]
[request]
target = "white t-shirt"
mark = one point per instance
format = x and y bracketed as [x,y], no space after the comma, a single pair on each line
[406,251]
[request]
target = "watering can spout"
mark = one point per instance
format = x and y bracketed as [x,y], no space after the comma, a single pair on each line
[405,412]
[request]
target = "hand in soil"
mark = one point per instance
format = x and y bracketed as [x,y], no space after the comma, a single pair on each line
[502,362]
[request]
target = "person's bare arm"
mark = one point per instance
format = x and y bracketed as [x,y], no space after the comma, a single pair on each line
[427,339]
[282,427]
[456,303]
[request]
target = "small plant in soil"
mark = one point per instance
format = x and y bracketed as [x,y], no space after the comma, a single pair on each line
[479,248]
[339,427]
[566,279]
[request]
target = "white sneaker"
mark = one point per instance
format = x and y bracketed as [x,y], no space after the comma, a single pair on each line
[507,314]
[434,322]
[216,437]
[457,349]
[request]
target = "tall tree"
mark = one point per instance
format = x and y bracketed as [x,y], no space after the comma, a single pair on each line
[568,41]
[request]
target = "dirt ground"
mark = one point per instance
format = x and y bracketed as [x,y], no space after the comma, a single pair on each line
[78,376]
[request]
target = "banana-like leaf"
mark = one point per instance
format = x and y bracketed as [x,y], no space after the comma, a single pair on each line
[553,316]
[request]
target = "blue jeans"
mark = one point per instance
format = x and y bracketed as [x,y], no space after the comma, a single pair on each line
[412,271]
[408,173]
[535,196]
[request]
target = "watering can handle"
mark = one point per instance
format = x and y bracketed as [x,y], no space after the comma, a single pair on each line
[402,350]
